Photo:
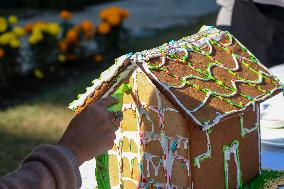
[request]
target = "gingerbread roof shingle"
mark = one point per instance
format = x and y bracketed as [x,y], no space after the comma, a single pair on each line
[209,75]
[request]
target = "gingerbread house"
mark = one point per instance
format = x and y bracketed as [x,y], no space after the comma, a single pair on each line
[193,118]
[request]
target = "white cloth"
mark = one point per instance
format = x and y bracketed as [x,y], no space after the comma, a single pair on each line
[279,3]
[224,17]
[228,4]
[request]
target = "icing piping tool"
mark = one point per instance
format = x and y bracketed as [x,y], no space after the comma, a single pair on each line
[102,164]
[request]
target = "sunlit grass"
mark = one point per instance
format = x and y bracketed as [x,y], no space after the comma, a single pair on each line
[24,127]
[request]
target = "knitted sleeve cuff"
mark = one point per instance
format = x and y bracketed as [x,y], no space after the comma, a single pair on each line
[61,162]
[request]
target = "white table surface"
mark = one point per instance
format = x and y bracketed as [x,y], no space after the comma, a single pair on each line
[271,120]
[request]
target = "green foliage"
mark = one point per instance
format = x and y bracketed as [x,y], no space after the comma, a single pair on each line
[264,179]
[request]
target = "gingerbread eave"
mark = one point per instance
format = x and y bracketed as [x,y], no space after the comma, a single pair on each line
[104,83]
[210,76]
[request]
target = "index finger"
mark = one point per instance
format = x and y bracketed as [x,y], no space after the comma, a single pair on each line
[106,102]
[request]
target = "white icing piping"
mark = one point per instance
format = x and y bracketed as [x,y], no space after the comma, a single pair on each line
[149,158]
[258,138]
[105,76]
[244,130]
[121,77]
[206,154]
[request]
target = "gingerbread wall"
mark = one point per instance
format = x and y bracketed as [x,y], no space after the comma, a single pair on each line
[152,140]
[211,171]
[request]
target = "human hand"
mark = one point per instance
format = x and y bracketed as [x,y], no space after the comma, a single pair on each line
[91,132]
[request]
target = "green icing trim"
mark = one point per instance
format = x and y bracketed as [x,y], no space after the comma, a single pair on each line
[102,174]
[102,164]
[227,150]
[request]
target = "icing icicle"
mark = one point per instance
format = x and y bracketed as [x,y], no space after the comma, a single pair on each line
[244,130]
[227,151]
[207,154]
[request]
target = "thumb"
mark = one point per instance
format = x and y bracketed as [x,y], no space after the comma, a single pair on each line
[106,102]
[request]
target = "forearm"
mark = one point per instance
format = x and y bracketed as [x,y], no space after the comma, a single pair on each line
[47,167]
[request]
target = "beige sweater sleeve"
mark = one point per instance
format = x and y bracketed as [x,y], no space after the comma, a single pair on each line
[47,167]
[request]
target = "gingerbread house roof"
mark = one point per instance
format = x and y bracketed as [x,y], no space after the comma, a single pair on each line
[209,76]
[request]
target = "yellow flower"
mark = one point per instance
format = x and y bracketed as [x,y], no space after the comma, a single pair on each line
[32,40]
[19,31]
[38,73]
[37,30]
[3,24]
[53,28]
[13,19]
[103,28]
[15,43]
[62,58]
[41,25]
[35,37]
[6,38]
[113,20]
[2,52]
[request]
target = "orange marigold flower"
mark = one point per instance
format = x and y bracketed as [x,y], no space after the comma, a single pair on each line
[63,46]
[113,20]
[103,28]
[124,13]
[87,25]
[2,52]
[65,15]
[71,36]
[88,28]
[105,13]
[28,27]
[98,58]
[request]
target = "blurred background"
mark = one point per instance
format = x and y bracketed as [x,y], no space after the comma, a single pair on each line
[50,51]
